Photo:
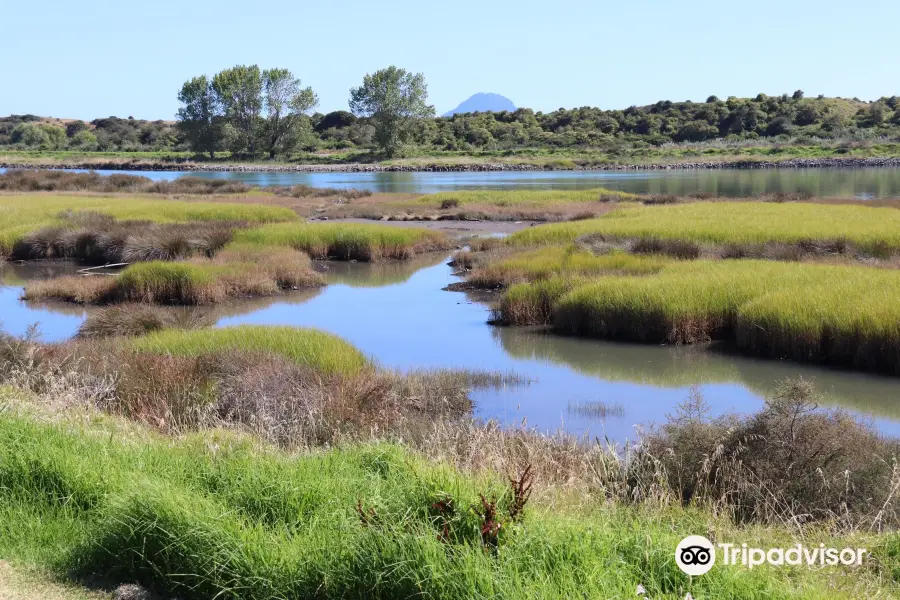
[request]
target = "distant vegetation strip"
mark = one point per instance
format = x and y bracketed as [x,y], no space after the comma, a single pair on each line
[722,126]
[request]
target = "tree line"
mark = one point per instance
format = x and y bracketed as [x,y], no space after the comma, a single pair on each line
[254,112]
[251,111]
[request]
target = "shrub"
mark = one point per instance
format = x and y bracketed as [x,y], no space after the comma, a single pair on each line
[791,460]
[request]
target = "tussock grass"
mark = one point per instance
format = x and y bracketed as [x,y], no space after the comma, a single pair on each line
[237,272]
[534,303]
[522,197]
[166,283]
[851,321]
[71,288]
[306,347]
[102,240]
[21,215]
[553,261]
[835,228]
[346,241]
[139,319]
[289,268]
[826,313]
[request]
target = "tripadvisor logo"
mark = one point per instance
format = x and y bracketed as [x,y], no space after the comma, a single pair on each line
[696,555]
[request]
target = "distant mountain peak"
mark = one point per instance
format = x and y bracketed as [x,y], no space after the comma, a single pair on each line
[483,102]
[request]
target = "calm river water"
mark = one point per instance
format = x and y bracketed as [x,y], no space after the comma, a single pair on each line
[398,314]
[859,183]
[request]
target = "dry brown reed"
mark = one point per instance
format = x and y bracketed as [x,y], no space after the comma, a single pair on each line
[94,238]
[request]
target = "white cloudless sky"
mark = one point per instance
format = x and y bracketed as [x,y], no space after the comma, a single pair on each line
[96,58]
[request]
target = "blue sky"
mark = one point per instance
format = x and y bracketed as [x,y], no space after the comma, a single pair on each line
[96,58]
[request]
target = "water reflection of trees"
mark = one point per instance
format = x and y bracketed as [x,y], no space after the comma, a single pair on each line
[677,367]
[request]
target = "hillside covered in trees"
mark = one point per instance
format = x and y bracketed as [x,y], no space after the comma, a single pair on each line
[790,118]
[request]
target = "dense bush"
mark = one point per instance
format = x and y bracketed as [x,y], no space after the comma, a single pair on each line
[733,120]
[29,132]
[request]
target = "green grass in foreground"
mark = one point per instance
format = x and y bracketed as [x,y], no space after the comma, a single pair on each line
[311,348]
[215,515]
[873,230]
[521,197]
[822,313]
[22,214]
[346,241]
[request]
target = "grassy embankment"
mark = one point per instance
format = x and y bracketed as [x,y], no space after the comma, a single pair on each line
[216,514]
[786,308]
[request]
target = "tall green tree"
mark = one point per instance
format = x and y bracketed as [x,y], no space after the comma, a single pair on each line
[286,103]
[394,99]
[239,91]
[198,118]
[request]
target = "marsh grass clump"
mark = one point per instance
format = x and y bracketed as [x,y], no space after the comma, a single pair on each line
[291,269]
[508,198]
[819,313]
[814,228]
[306,347]
[71,288]
[686,303]
[555,261]
[534,303]
[167,283]
[237,272]
[98,239]
[346,241]
[308,191]
[849,322]
[63,220]
[139,319]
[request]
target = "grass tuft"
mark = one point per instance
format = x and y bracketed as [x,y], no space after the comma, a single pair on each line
[306,347]
[553,261]
[346,241]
